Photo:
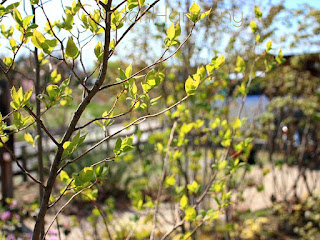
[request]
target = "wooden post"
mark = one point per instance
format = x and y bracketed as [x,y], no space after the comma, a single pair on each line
[5,158]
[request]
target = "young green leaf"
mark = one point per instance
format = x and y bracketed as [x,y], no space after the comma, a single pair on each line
[171,32]
[27,20]
[19,99]
[184,202]
[195,8]
[170,180]
[112,44]
[38,39]
[117,148]
[268,46]
[190,214]
[192,84]
[64,177]
[194,187]
[66,144]
[203,15]
[132,4]
[29,139]
[17,17]
[4,139]
[253,26]
[133,90]
[55,77]
[71,50]
[123,146]
[13,44]
[240,65]
[237,124]
[141,2]
[8,61]
[84,177]
[194,14]
[257,12]
[216,62]
[98,51]
[280,59]
[128,71]
[258,37]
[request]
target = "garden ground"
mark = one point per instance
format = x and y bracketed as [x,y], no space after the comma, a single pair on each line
[257,195]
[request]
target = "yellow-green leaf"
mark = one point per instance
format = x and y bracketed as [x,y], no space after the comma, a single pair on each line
[190,214]
[184,202]
[128,71]
[268,46]
[192,84]
[258,38]
[253,26]
[171,32]
[141,2]
[27,21]
[237,124]
[66,144]
[170,180]
[112,44]
[64,176]
[55,77]
[195,9]
[219,61]
[37,39]
[194,187]
[240,65]
[203,15]
[71,50]
[27,95]
[29,139]
[257,12]
[12,43]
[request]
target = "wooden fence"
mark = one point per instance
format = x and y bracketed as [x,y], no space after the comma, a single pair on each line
[26,155]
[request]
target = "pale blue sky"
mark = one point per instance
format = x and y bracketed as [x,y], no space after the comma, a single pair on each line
[54,12]
[298,3]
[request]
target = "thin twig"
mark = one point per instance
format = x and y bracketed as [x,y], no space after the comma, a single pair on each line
[61,195]
[160,60]
[64,206]
[137,121]
[104,220]
[134,23]
[164,174]
[119,5]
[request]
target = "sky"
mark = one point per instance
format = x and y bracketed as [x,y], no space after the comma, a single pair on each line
[297,3]
[54,9]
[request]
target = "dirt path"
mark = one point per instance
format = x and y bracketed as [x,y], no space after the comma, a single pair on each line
[285,180]
[254,200]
